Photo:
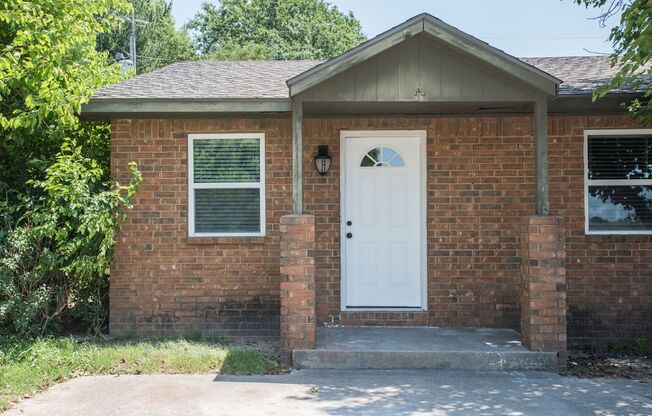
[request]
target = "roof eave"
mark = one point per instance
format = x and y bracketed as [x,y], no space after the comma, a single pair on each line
[186,105]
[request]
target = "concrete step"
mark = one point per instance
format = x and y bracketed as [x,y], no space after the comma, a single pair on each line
[412,348]
[457,360]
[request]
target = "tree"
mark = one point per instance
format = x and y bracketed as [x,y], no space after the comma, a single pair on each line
[246,52]
[632,41]
[275,29]
[158,41]
[48,62]
[60,211]
[632,55]
[49,67]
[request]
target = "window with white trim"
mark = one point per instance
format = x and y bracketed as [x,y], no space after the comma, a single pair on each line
[618,181]
[226,184]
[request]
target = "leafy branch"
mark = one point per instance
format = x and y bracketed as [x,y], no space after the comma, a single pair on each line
[632,41]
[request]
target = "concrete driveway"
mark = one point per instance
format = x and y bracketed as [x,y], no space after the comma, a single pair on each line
[333,392]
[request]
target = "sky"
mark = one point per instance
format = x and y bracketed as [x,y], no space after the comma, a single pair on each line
[522,28]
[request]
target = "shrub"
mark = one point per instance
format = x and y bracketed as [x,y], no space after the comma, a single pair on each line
[642,346]
[56,257]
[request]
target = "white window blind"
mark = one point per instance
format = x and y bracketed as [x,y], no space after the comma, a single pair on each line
[618,181]
[226,184]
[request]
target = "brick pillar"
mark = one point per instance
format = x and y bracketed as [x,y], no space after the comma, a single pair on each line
[543,285]
[297,284]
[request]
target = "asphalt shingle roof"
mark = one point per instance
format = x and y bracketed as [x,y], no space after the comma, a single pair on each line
[266,79]
[211,80]
[580,74]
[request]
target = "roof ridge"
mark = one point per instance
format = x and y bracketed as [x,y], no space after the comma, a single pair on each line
[257,60]
[191,61]
[564,57]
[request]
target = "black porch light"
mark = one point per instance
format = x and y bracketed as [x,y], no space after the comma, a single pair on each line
[322,160]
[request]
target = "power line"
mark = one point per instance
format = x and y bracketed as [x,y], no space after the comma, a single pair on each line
[597,53]
[546,37]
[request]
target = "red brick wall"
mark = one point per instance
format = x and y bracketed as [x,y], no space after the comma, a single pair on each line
[479,184]
[480,176]
[609,277]
[164,283]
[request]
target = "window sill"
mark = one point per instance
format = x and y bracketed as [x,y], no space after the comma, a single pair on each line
[618,233]
[225,240]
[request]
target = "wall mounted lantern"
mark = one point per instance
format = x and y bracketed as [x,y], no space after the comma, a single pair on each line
[322,160]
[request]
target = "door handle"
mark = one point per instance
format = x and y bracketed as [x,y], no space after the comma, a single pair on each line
[349,235]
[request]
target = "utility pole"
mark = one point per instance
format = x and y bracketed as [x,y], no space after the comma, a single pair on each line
[132,43]
[132,21]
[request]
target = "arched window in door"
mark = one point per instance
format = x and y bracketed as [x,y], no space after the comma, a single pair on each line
[382,156]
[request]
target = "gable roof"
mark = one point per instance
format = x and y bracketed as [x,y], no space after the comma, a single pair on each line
[442,32]
[268,86]
[215,80]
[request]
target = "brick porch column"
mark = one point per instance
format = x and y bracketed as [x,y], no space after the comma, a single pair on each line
[297,284]
[543,285]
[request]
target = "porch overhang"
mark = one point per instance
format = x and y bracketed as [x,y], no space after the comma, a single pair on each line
[424,64]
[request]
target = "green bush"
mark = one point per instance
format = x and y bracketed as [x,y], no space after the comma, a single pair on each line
[642,346]
[55,258]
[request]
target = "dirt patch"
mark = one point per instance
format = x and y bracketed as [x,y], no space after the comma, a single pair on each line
[609,365]
[269,350]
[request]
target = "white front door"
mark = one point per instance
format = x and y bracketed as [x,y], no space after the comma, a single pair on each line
[383,220]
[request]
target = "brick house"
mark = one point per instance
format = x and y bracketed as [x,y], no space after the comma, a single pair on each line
[423,178]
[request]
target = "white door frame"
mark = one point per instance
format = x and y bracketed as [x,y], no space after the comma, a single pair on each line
[352,134]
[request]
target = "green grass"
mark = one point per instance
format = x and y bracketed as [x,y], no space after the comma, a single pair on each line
[28,366]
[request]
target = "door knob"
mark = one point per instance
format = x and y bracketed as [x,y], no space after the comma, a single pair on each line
[349,235]
[349,223]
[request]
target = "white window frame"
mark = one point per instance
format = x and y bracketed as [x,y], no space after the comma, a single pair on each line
[609,182]
[231,185]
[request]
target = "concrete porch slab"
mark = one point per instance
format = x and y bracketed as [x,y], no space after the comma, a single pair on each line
[421,347]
